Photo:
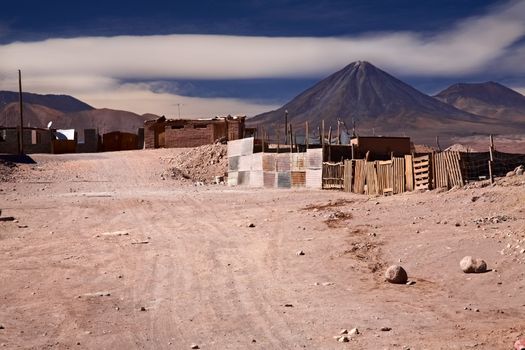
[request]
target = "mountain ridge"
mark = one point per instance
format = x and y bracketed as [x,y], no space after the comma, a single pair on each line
[63,103]
[491,99]
[380,103]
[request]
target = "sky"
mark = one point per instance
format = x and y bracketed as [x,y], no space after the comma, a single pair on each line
[208,58]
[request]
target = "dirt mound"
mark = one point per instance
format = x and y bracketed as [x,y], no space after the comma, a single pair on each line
[200,164]
[7,170]
[459,147]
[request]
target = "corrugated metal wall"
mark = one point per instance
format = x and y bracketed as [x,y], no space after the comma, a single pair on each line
[273,170]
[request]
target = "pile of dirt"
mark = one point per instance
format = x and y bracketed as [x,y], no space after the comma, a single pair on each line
[7,170]
[199,164]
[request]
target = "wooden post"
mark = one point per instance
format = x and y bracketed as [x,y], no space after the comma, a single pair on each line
[322,133]
[437,143]
[278,139]
[262,139]
[491,161]
[291,137]
[286,127]
[338,132]
[307,136]
[330,143]
[21,130]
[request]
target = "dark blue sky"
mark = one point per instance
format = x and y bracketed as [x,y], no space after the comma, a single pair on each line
[34,20]
[38,20]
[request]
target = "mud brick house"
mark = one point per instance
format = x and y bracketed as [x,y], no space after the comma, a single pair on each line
[171,133]
[36,140]
[381,147]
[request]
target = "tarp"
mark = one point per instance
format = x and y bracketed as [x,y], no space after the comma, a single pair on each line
[65,134]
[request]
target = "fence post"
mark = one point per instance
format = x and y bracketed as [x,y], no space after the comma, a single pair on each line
[491,161]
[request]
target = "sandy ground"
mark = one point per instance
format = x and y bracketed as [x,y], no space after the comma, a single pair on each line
[107,255]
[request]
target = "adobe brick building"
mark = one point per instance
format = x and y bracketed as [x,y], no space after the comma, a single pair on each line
[172,133]
[36,140]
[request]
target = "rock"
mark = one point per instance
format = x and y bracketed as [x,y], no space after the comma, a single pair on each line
[343,339]
[510,174]
[194,346]
[354,331]
[520,171]
[396,274]
[142,308]
[519,344]
[386,329]
[343,331]
[470,265]
[300,252]
[2,327]
[251,225]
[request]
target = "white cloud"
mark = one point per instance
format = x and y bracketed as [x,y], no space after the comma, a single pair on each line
[140,99]
[93,66]
[521,90]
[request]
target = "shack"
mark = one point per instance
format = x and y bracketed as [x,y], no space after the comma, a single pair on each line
[120,141]
[36,140]
[171,133]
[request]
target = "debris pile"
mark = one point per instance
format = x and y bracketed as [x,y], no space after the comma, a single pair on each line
[200,164]
[7,169]
[493,219]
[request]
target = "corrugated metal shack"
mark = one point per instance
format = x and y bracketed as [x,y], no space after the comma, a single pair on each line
[272,170]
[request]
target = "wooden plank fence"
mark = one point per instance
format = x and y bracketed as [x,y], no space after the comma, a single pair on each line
[421,172]
[398,175]
[333,175]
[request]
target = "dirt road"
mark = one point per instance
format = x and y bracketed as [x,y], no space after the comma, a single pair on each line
[107,255]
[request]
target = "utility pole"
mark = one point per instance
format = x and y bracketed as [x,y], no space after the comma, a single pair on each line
[21,128]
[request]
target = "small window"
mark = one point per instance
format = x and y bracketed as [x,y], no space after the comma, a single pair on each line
[3,135]
[200,126]
[177,126]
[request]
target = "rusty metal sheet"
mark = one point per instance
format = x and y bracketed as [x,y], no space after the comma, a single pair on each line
[283,162]
[243,178]
[298,161]
[268,161]
[298,178]
[269,179]
[283,179]
[233,164]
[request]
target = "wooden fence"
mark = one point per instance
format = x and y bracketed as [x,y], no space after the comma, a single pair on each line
[398,175]
[333,175]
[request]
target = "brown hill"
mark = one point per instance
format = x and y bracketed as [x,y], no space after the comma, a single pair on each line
[490,99]
[105,120]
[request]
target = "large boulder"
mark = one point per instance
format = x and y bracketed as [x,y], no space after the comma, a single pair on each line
[396,274]
[470,265]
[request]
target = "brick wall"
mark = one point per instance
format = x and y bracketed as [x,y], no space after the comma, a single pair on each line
[190,135]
